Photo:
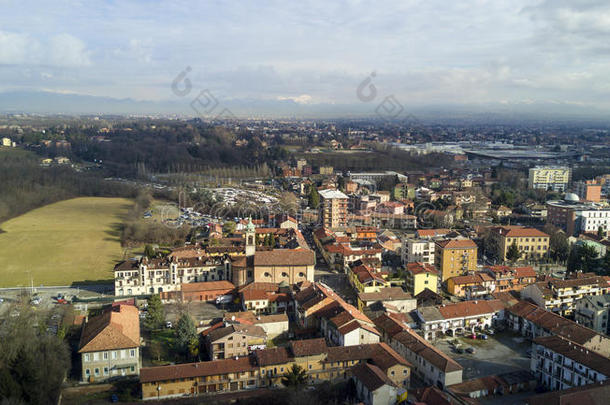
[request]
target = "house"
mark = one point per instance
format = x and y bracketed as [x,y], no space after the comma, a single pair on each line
[273,325]
[394,296]
[109,345]
[471,286]
[594,312]
[421,276]
[459,317]
[533,321]
[233,340]
[507,278]
[373,386]
[454,257]
[365,279]
[560,364]
[501,384]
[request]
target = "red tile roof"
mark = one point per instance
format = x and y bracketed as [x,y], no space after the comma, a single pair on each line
[201,369]
[116,328]
[456,244]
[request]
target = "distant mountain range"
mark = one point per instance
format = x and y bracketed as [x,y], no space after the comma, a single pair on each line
[43,102]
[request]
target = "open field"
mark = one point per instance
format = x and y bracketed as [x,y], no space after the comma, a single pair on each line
[68,241]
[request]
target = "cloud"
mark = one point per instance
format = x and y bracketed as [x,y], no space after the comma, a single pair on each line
[62,50]
[302,99]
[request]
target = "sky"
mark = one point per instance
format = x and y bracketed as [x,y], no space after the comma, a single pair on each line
[312,52]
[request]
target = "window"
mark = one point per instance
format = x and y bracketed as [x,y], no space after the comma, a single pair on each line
[114,355]
[96,356]
[105,370]
[284,274]
[105,355]
[132,368]
[87,372]
[87,358]
[132,353]
[96,372]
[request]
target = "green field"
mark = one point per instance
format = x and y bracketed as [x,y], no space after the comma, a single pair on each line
[69,241]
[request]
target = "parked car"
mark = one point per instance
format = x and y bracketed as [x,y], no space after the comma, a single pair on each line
[471,350]
[224,299]
[482,336]
[473,336]
[168,325]
[490,332]
[459,350]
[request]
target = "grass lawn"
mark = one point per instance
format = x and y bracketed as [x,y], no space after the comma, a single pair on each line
[68,241]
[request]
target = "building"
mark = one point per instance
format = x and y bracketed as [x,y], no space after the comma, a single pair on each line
[417,250]
[421,276]
[150,276]
[454,257]
[556,178]
[200,291]
[592,394]
[532,321]
[373,386]
[532,243]
[265,368]
[394,296]
[506,278]
[588,190]
[560,364]
[430,364]
[109,345]
[593,312]
[460,317]
[471,286]
[333,209]
[365,278]
[234,340]
[576,217]
[560,296]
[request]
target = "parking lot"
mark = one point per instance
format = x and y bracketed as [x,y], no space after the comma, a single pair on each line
[500,353]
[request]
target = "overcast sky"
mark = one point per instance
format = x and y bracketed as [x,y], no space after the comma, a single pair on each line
[423,52]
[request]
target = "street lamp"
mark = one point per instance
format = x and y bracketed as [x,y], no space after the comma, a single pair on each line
[158,392]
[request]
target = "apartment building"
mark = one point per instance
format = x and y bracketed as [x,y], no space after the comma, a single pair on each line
[593,312]
[265,369]
[471,286]
[533,321]
[430,364]
[364,278]
[417,250]
[455,257]
[560,296]
[576,217]
[333,209]
[109,345]
[561,364]
[532,243]
[556,178]
[420,276]
[506,278]
[588,190]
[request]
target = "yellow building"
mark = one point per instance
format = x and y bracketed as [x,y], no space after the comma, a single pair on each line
[366,280]
[421,276]
[455,257]
[532,243]
[265,368]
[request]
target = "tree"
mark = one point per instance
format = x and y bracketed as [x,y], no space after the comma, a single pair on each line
[582,258]
[272,240]
[155,349]
[295,377]
[314,197]
[186,333]
[156,314]
[600,232]
[149,251]
[559,247]
[229,227]
[513,253]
